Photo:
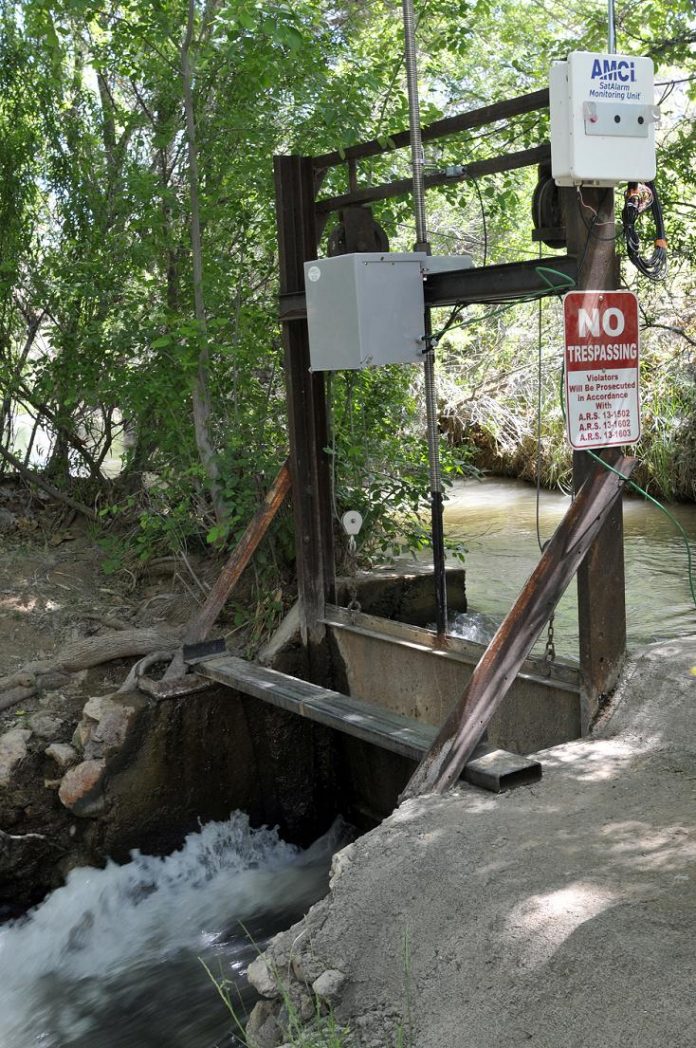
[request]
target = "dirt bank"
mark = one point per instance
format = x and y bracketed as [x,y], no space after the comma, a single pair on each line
[83,776]
[562,914]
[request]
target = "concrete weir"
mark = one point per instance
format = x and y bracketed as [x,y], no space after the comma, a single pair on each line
[379,688]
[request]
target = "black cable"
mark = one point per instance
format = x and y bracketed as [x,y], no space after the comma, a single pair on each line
[642,197]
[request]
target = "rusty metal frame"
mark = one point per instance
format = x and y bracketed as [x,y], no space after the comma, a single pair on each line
[301,217]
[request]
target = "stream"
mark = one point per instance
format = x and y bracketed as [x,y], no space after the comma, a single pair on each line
[495,521]
[113,958]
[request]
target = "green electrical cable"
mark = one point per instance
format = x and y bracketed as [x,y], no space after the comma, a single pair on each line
[644,493]
[520,300]
[569,282]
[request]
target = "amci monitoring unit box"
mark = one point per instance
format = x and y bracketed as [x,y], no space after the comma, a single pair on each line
[365,309]
[603,118]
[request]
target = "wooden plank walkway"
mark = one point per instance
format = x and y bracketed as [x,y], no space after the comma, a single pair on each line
[492,769]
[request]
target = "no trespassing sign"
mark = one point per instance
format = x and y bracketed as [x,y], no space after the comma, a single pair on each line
[601,368]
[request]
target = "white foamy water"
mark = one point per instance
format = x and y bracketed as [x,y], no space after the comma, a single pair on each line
[112,959]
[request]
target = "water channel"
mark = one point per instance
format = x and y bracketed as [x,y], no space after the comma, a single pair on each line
[495,520]
[113,959]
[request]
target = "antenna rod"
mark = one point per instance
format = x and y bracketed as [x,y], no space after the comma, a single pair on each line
[422,244]
[612,28]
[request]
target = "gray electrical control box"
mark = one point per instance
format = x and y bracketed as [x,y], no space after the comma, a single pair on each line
[365,309]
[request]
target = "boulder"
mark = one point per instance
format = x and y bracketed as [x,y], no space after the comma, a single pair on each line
[261,978]
[104,727]
[82,734]
[262,1030]
[45,725]
[110,733]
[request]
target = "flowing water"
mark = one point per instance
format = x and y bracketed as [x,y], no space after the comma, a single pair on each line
[495,521]
[113,958]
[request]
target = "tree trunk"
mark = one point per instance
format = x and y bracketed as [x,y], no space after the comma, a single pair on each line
[201,388]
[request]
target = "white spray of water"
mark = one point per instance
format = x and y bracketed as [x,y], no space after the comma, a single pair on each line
[105,923]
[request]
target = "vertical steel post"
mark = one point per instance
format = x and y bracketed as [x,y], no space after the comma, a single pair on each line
[601,579]
[430,383]
[306,401]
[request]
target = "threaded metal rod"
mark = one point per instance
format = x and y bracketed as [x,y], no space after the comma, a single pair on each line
[430,384]
[414,125]
[611,27]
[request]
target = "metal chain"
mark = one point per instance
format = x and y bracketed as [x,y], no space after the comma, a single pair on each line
[354,606]
[550,649]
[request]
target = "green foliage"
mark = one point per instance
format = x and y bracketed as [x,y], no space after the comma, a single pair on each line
[380,461]
[98,337]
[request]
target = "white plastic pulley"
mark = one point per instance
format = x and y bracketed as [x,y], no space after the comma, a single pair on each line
[352,522]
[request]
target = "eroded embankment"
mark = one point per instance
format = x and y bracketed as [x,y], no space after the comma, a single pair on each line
[559,914]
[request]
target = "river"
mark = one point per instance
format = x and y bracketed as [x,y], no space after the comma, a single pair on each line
[495,520]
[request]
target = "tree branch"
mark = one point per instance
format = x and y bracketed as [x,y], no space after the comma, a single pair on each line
[675,330]
[40,482]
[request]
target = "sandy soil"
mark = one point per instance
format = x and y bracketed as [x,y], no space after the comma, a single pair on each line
[561,915]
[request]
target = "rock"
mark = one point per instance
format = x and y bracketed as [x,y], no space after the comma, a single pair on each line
[306,968]
[104,727]
[83,733]
[98,706]
[340,863]
[111,731]
[81,788]
[329,985]
[52,784]
[261,978]
[13,749]
[54,680]
[271,1035]
[63,754]
[45,726]
[262,1030]
[306,1008]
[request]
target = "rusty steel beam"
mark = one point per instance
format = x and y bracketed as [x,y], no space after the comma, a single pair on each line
[403,186]
[469,286]
[449,125]
[199,628]
[500,663]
